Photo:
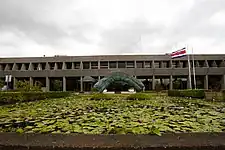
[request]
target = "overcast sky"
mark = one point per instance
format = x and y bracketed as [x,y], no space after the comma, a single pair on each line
[99,27]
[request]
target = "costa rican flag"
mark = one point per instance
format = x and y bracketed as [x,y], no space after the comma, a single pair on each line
[179,53]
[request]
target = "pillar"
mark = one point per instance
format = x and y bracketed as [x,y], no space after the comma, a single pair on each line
[153,66]
[23,67]
[223,82]
[47,84]
[31,81]
[171,82]
[55,66]
[7,67]
[14,82]
[47,66]
[81,84]
[206,82]
[64,84]
[31,67]
[15,67]
[189,85]
[99,78]
[73,66]
[153,82]
[64,66]
[39,66]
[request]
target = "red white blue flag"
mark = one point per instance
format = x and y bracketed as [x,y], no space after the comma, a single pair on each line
[179,53]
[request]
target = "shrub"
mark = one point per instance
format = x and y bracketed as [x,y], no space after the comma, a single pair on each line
[187,93]
[14,97]
[223,94]
[138,96]
[25,86]
[100,96]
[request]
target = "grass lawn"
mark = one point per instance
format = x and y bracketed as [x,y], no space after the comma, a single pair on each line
[79,114]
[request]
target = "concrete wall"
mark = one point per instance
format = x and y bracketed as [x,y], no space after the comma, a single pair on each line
[65,66]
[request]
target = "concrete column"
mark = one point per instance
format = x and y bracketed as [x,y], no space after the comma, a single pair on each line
[23,67]
[189,86]
[31,67]
[47,84]
[73,67]
[64,84]
[153,64]
[56,66]
[98,64]
[64,66]
[223,82]
[206,82]
[171,82]
[15,67]
[171,63]
[99,78]
[31,81]
[135,64]
[14,82]
[39,66]
[81,84]
[81,65]
[153,82]
[47,66]
[7,67]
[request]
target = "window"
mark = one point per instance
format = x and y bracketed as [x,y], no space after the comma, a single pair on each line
[157,64]
[147,64]
[76,65]
[130,64]
[94,65]
[121,64]
[86,65]
[140,64]
[104,65]
[112,64]
[68,65]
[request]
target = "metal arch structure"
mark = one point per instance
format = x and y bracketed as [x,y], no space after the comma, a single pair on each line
[102,84]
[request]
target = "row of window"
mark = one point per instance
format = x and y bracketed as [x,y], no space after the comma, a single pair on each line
[109,65]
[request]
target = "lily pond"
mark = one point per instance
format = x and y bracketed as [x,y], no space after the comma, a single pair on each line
[80,114]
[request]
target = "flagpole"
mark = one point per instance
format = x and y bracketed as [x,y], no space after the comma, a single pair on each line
[189,69]
[193,67]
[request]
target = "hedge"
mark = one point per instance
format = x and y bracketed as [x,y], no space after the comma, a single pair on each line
[187,93]
[15,97]
[139,96]
[101,96]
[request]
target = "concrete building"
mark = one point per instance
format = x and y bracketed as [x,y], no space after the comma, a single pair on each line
[79,73]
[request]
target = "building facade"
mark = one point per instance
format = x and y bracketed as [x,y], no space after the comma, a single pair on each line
[79,73]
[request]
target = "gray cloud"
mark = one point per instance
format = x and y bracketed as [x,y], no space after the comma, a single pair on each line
[57,25]
[125,38]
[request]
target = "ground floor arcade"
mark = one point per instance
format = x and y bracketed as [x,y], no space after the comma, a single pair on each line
[85,83]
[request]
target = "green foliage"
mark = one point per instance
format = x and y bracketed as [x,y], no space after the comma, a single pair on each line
[215,96]
[15,97]
[57,85]
[223,94]
[139,96]
[2,83]
[83,116]
[25,86]
[158,87]
[187,93]
[100,96]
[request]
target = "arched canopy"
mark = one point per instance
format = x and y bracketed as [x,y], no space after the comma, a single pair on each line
[102,84]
